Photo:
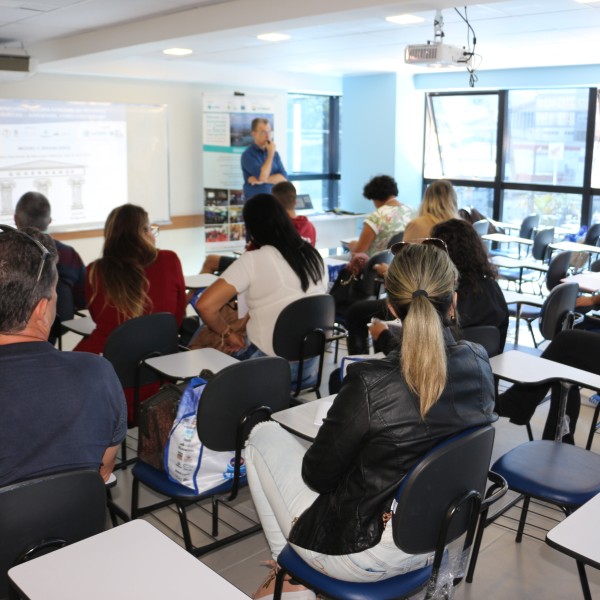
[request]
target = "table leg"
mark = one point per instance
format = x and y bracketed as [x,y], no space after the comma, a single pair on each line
[519,306]
[585,586]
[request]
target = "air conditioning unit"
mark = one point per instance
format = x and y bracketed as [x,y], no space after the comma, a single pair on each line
[436,54]
[15,65]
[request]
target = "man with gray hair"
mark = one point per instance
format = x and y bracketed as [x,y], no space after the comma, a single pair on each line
[60,410]
[33,210]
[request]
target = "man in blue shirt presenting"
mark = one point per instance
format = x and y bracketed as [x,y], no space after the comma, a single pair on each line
[261,164]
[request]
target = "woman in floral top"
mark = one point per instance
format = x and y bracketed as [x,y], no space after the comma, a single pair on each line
[389,218]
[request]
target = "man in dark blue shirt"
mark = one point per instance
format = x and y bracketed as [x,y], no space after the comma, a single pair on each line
[60,410]
[261,164]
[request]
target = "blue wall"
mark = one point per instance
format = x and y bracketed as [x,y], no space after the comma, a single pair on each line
[382,133]
[368,119]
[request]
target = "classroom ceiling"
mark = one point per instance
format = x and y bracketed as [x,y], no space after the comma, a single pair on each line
[125,38]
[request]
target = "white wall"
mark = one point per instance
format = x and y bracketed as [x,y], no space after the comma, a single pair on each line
[185,142]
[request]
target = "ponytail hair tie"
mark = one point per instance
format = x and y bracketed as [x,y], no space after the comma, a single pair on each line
[420,293]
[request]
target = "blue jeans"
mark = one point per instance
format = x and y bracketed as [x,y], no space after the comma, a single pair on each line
[309,372]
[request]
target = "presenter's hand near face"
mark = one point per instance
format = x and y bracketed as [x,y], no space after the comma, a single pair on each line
[270,147]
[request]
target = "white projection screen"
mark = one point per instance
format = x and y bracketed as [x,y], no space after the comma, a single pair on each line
[85,157]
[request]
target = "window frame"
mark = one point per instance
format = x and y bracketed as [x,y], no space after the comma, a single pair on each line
[332,177]
[498,184]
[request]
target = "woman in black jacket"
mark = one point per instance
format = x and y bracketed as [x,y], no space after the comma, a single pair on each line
[332,500]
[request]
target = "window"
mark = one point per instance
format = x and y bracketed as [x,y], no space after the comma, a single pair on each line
[546,136]
[461,133]
[313,147]
[473,197]
[514,153]
[555,209]
[596,156]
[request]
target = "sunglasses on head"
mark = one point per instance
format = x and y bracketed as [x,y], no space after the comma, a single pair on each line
[399,246]
[45,252]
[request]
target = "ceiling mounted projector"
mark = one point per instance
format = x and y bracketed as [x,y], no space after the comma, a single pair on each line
[436,53]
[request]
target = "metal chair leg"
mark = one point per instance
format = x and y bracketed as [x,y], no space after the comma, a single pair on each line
[522,519]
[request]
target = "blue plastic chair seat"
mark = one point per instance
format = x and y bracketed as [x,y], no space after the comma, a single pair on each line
[158,481]
[558,473]
[394,587]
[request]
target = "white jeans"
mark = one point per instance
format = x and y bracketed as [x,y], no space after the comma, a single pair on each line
[273,465]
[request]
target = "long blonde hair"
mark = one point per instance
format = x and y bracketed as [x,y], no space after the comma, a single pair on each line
[420,283]
[439,201]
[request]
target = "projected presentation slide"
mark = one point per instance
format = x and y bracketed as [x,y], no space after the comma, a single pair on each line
[77,154]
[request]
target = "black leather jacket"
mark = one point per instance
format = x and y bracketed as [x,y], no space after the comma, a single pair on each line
[372,436]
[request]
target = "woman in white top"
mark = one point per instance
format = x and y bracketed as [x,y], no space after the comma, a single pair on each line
[280,268]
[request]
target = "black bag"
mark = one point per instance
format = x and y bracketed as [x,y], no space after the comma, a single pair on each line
[346,290]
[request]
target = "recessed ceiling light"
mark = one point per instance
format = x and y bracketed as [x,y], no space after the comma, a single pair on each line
[177,51]
[404,19]
[273,37]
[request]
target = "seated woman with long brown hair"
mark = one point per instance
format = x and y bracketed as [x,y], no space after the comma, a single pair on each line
[133,278]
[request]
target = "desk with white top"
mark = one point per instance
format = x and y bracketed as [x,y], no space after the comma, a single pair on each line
[331,228]
[575,247]
[576,535]
[305,419]
[134,560]
[184,365]
[199,281]
[81,325]
[524,368]
[503,238]
[588,282]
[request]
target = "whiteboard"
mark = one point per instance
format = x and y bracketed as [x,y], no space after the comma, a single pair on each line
[85,157]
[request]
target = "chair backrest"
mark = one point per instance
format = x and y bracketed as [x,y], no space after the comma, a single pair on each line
[487,336]
[397,237]
[541,244]
[452,469]
[592,237]
[481,227]
[595,266]
[556,308]
[368,282]
[528,225]
[137,339]
[558,269]
[296,333]
[236,391]
[46,513]
[65,308]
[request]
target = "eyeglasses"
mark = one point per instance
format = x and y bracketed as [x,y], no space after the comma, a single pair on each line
[153,229]
[45,252]
[399,246]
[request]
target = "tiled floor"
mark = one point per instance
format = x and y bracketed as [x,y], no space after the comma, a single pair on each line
[527,571]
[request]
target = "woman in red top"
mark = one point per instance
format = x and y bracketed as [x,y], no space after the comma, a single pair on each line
[133,278]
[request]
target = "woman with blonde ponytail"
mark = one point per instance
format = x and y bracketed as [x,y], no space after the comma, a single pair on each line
[421,286]
[331,501]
